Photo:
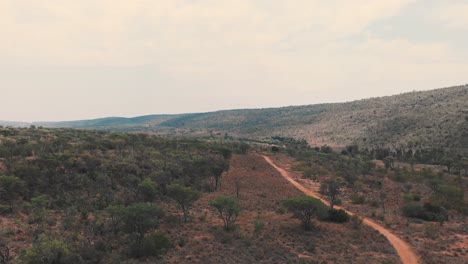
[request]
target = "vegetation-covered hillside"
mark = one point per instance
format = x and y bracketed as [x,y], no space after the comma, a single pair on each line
[428,119]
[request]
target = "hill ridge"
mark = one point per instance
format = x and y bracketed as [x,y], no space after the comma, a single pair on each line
[435,118]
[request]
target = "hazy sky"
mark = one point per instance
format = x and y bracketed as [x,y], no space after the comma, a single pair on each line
[78,59]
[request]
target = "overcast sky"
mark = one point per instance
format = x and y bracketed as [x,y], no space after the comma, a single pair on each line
[70,59]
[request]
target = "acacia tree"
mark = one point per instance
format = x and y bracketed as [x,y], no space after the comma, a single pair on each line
[184,196]
[304,208]
[138,219]
[228,210]
[217,171]
[331,189]
[148,189]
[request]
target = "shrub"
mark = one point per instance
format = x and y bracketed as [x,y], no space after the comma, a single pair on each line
[411,197]
[337,216]
[413,209]
[258,226]
[374,203]
[428,212]
[431,230]
[356,221]
[154,245]
[358,199]
[52,250]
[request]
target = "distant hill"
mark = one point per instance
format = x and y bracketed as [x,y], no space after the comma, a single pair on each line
[435,118]
[112,123]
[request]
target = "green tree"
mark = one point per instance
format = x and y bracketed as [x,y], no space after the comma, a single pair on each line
[304,208]
[39,204]
[148,189]
[448,162]
[115,211]
[217,171]
[228,210]
[46,251]
[11,188]
[184,196]
[139,218]
[388,162]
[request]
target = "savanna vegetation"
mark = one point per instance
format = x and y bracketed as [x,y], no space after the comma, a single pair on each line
[395,187]
[80,196]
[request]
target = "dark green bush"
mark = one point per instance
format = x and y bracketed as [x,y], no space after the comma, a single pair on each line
[411,197]
[337,216]
[427,212]
[357,199]
[154,245]
[413,209]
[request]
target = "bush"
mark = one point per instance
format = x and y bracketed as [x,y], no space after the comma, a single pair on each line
[154,245]
[357,199]
[50,249]
[431,230]
[356,221]
[413,209]
[337,216]
[411,197]
[258,226]
[428,212]
[435,212]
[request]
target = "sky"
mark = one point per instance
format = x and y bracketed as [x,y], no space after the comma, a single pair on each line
[71,60]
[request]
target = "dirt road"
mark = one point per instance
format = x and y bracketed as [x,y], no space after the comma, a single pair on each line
[404,250]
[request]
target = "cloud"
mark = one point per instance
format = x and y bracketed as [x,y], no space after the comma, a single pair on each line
[241,53]
[452,16]
[146,31]
[400,49]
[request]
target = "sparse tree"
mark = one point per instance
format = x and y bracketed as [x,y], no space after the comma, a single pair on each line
[237,184]
[4,253]
[184,196]
[228,210]
[217,171]
[382,199]
[388,162]
[331,189]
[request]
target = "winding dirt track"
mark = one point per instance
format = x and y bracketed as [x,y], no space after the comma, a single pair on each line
[404,250]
